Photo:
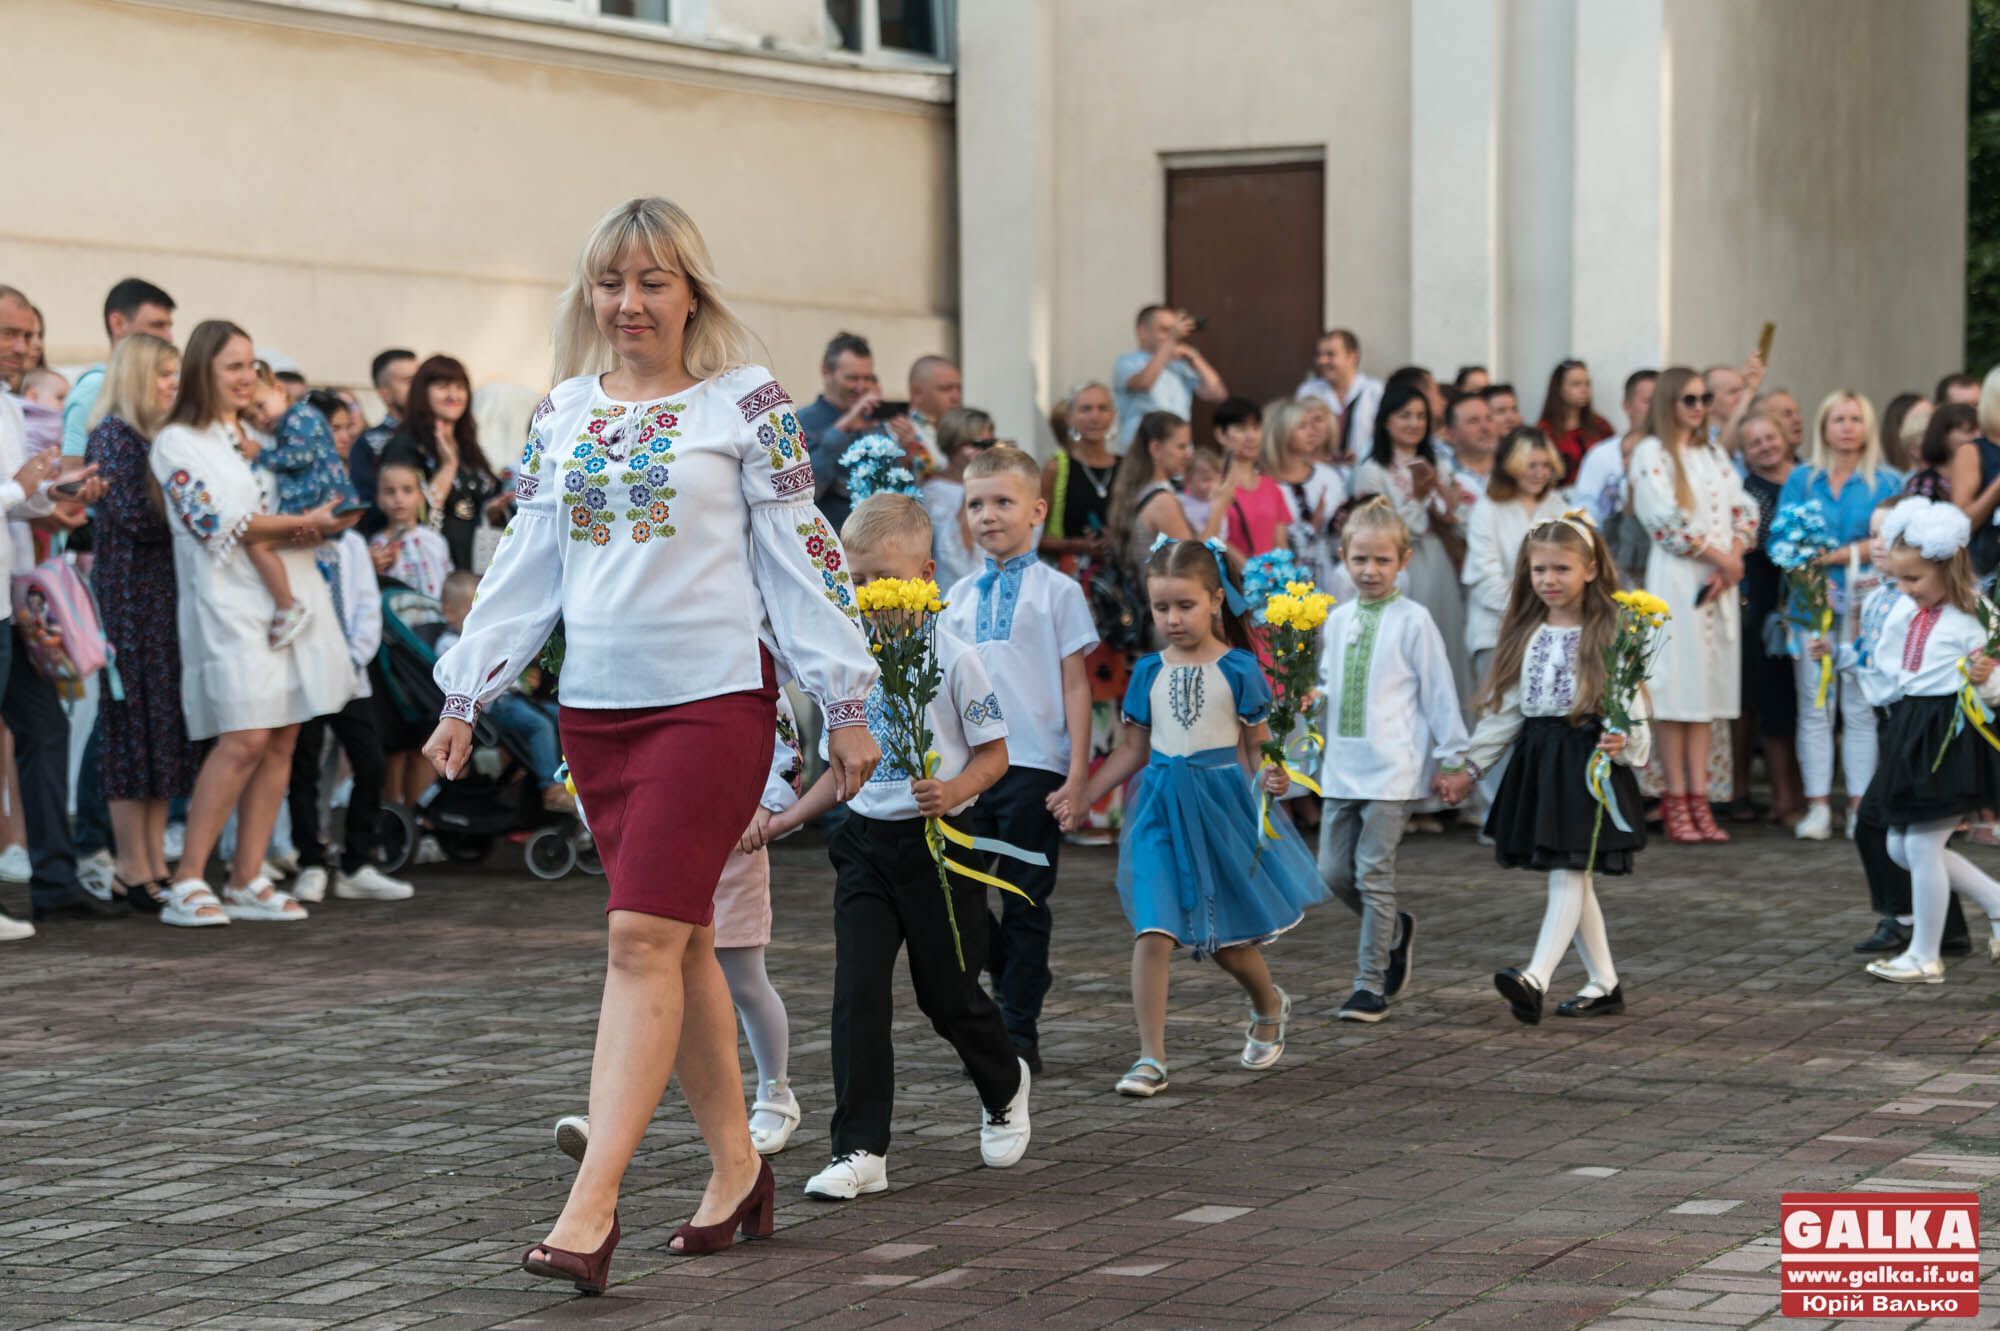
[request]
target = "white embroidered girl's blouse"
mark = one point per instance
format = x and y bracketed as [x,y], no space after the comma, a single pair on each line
[1547,687]
[1917,652]
[672,538]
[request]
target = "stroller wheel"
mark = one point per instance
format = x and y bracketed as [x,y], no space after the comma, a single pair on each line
[462,849]
[549,854]
[587,858]
[396,838]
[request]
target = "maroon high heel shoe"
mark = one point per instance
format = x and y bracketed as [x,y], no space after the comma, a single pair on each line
[588,1270]
[754,1216]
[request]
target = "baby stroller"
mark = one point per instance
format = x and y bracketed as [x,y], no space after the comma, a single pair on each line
[499,795]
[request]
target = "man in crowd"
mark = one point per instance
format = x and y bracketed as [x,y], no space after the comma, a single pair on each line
[1505,404]
[1600,481]
[1166,373]
[1734,388]
[28,704]
[1960,387]
[843,411]
[391,372]
[1468,430]
[935,388]
[1471,379]
[133,306]
[1337,380]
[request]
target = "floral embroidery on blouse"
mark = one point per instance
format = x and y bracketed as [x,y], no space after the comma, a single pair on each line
[1550,674]
[795,759]
[824,551]
[611,455]
[1187,689]
[528,481]
[983,711]
[201,515]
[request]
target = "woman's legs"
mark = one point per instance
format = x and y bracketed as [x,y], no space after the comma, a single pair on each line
[258,811]
[1781,765]
[1816,729]
[661,980]
[156,838]
[1696,757]
[220,783]
[1673,737]
[765,1023]
[1150,955]
[129,828]
[1245,964]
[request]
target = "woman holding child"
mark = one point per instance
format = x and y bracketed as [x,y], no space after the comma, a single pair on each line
[666,517]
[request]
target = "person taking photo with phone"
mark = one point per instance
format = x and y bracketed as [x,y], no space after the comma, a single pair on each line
[1166,373]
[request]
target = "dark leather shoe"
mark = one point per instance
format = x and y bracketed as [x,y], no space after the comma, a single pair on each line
[1596,1005]
[84,908]
[1889,936]
[1955,945]
[1521,995]
[1397,977]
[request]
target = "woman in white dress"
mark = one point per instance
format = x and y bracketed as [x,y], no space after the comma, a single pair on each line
[1686,492]
[1403,468]
[234,688]
[1520,495]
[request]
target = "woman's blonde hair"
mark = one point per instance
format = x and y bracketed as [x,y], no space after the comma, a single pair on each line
[1989,405]
[136,365]
[1871,446]
[1501,485]
[1527,612]
[715,341]
[1282,416]
[1663,425]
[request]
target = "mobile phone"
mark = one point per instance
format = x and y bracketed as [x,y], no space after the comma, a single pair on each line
[67,491]
[890,410]
[1706,595]
[346,507]
[1764,342]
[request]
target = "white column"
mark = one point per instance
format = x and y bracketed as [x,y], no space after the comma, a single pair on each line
[1538,183]
[1006,212]
[1618,309]
[1454,111]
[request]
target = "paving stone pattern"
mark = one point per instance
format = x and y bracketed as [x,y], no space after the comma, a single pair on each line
[347,1123]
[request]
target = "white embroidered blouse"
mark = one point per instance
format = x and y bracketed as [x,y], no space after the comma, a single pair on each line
[1547,687]
[1917,651]
[672,538]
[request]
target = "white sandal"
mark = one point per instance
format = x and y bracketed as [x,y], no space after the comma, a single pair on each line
[774,1141]
[182,904]
[260,901]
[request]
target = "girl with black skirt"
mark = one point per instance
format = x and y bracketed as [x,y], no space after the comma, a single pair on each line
[1935,767]
[1543,697]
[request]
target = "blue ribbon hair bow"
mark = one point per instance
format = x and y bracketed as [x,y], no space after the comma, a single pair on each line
[1238,603]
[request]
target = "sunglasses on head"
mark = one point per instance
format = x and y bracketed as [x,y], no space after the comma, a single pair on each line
[1697,399]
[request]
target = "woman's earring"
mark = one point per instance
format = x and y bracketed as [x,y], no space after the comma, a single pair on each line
[1075,435]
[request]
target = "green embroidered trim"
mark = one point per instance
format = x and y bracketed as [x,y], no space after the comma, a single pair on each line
[1354,665]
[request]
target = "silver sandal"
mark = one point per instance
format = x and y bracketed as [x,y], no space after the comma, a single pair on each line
[1260,1054]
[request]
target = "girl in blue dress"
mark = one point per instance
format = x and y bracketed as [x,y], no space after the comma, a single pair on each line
[1195,869]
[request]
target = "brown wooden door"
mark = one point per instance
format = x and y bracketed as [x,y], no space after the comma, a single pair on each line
[1246,249]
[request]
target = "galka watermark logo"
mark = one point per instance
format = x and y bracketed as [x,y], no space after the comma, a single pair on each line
[1880,1254]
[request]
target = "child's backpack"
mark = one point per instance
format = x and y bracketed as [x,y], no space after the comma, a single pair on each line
[58,620]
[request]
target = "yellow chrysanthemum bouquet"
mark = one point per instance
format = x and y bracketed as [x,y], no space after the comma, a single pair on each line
[900,615]
[1628,660]
[1289,622]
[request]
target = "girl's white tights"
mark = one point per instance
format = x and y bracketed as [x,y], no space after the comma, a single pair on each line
[1935,873]
[1573,914]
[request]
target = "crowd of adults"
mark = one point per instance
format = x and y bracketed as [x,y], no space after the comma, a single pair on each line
[144,475]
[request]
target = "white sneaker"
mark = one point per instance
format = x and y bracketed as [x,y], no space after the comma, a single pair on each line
[13,930]
[428,851]
[94,873]
[278,868]
[16,867]
[848,1176]
[175,841]
[573,1135]
[1817,825]
[311,886]
[1003,1133]
[369,883]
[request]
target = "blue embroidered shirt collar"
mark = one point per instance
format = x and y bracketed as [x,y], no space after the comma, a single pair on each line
[999,592]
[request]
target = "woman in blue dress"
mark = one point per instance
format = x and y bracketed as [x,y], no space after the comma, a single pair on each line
[1195,868]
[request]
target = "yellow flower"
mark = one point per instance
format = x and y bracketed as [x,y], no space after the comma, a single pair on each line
[1644,604]
[1299,589]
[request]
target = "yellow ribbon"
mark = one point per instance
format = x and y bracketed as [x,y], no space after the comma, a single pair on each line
[1312,738]
[937,832]
[1971,708]
[1825,662]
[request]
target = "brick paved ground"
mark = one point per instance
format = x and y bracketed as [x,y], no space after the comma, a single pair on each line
[347,1123]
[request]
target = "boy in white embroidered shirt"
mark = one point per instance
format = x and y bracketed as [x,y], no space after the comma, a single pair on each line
[1032,629]
[886,891]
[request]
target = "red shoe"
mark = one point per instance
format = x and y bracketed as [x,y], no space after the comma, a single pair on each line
[1679,818]
[588,1270]
[754,1216]
[1704,819]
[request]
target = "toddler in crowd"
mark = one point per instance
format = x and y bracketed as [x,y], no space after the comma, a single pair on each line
[1203,475]
[513,713]
[1392,719]
[1032,629]
[306,473]
[886,892]
[407,550]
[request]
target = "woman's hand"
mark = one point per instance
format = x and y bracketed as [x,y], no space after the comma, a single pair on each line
[496,509]
[326,523]
[37,469]
[1979,667]
[1611,743]
[1728,565]
[449,747]
[852,754]
[382,556]
[1423,479]
[447,442]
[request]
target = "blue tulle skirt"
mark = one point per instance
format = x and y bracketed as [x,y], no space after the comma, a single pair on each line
[1194,862]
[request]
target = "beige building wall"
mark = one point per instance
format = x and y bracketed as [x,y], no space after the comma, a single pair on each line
[1136,79]
[1816,177]
[337,185]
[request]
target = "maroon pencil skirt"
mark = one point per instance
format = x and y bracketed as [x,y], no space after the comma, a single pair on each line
[668,792]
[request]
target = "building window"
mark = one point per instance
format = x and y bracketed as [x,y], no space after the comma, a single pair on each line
[895,27]
[645,11]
